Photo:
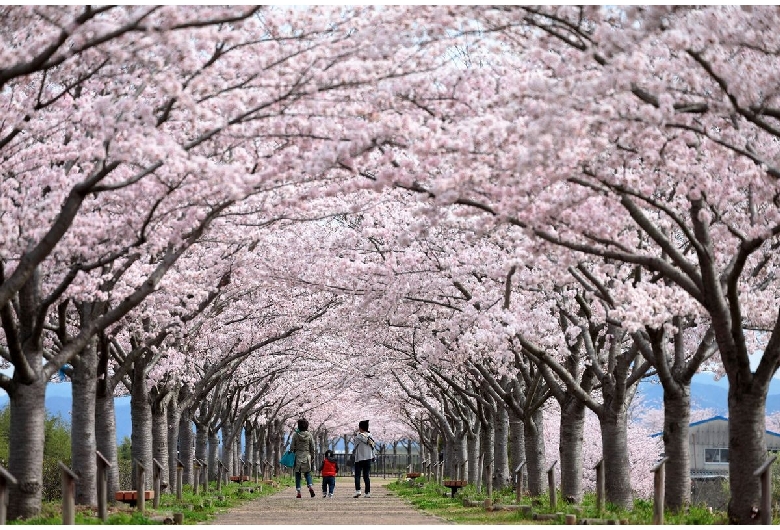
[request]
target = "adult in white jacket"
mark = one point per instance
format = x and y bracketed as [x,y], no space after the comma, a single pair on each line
[364,455]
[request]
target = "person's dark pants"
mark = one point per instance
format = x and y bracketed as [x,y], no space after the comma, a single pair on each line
[364,467]
[328,484]
[298,479]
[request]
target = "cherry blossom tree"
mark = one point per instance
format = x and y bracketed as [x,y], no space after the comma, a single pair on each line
[661,158]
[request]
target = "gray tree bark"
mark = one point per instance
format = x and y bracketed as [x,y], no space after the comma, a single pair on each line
[249,447]
[82,427]
[516,441]
[202,449]
[488,445]
[501,452]
[141,419]
[105,418]
[227,448]
[186,448]
[26,442]
[473,450]
[214,456]
[533,430]
[174,417]
[677,418]
[159,409]
[572,427]
[747,451]
[617,467]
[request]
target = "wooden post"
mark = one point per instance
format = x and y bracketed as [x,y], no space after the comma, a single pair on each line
[205,465]
[68,494]
[600,486]
[156,480]
[764,471]
[140,487]
[551,486]
[519,481]
[102,486]
[179,472]
[219,475]
[6,479]
[196,483]
[658,491]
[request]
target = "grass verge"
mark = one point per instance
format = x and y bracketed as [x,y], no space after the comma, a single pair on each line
[194,508]
[433,499]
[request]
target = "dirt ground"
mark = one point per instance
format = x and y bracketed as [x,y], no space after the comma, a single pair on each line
[283,508]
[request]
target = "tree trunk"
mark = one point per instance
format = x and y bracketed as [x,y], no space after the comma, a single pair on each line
[487,443]
[572,428]
[173,416]
[533,430]
[185,445]
[472,447]
[82,427]
[516,442]
[274,442]
[227,447]
[105,435]
[202,449]
[249,448]
[260,454]
[237,449]
[677,417]
[460,452]
[105,418]
[160,436]
[501,453]
[617,468]
[747,451]
[214,457]
[141,420]
[26,442]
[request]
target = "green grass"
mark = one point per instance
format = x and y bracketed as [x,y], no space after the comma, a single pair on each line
[195,508]
[430,497]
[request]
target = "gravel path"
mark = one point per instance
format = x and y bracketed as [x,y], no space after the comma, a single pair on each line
[283,508]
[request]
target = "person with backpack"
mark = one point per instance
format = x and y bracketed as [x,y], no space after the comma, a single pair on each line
[364,454]
[303,447]
[329,469]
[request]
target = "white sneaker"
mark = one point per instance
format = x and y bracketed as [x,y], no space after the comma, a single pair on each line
[330,495]
[367,495]
[356,495]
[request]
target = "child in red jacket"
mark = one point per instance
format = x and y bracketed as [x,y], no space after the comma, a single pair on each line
[329,469]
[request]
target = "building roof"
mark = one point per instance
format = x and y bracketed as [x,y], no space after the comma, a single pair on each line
[714,418]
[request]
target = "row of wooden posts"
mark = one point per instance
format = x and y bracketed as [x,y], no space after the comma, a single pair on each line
[69,486]
[764,472]
[69,479]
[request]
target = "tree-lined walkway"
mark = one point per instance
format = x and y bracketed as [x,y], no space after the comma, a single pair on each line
[283,508]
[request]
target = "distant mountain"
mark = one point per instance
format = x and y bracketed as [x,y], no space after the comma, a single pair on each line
[706,393]
[59,403]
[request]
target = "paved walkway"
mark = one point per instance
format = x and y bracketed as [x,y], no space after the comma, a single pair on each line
[283,508]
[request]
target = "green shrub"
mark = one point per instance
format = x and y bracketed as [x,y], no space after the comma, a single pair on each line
[56,448]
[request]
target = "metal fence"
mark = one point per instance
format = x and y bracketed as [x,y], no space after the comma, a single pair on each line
[385,464]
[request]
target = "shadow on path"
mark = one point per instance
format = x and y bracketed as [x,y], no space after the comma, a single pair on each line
[283,508]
